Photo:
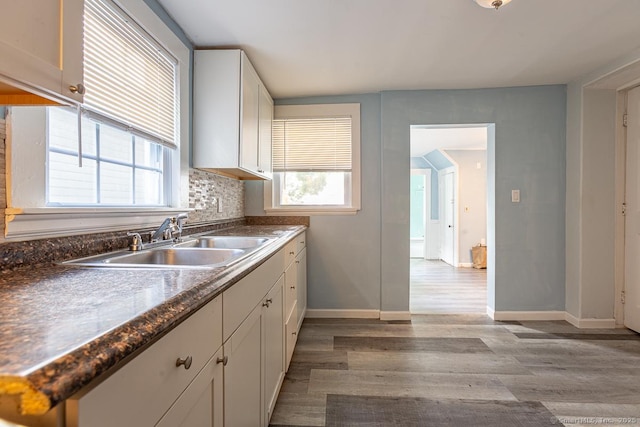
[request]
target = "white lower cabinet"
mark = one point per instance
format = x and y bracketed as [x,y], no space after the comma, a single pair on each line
[222,366]
[242,374]
[201,404]
[273,339]
[142,391]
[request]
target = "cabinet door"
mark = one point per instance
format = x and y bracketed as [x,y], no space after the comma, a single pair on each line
[201,404]
[265,126]
[273,333]
[301,282]
[249,113]
[242,374]
[41,44]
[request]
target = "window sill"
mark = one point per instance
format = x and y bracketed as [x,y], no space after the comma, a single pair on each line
[38,223]
[310,211]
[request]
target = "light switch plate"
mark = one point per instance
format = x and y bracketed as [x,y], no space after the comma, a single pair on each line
[515,196]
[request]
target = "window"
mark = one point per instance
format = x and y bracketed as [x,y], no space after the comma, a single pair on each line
[133,172]
[130,108]
[118,168]
[316,160]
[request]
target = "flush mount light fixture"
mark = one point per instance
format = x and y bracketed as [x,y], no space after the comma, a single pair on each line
[492,3]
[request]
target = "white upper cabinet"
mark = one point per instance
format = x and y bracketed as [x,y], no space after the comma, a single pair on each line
[41,50]
[233,115]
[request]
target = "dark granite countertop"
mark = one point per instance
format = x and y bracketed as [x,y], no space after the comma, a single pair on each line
[62,327]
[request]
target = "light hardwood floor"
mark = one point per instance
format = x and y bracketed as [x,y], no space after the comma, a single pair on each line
[459,370]
[437,287]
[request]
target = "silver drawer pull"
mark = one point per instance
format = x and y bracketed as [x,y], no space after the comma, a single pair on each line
[186,362]
[223,360]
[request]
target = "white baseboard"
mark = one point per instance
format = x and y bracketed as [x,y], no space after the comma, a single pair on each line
[590,323]
[343,314]
[465,264]
[395,315]
[526,315]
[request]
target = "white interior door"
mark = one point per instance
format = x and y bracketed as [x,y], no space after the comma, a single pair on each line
[632,218]
[448,201]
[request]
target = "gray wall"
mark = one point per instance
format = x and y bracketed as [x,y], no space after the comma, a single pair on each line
[529,155]
[362,261]
[344,251]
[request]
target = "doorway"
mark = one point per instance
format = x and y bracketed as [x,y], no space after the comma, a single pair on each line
[442,279]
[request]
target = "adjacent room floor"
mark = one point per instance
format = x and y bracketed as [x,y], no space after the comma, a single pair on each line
[437,287]
[459,370]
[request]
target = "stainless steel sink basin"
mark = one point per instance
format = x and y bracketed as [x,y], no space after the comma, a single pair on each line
[193,252]
[169,257]
[178,256]
[227,242]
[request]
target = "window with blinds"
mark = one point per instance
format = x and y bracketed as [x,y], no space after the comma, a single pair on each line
[129,78]
[315,159]
[129,121]
[321,145]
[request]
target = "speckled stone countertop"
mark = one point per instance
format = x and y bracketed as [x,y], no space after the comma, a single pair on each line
[62,327]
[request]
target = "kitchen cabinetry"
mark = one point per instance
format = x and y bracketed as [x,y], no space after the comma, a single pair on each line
[233,115]
[295,291]
[255,347]
[40,50]
[176,381]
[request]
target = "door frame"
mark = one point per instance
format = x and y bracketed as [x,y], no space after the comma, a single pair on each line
[428,232]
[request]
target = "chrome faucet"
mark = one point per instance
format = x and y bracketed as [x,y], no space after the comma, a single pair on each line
[170,229]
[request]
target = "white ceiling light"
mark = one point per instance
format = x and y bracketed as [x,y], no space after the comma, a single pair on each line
[492,3]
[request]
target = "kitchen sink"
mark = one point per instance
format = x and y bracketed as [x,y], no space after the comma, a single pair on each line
[227,242]
[193,252]
[167,257]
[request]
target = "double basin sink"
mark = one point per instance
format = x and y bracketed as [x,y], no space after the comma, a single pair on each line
[202,252]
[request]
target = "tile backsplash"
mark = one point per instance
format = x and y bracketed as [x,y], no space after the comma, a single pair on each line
[208,191]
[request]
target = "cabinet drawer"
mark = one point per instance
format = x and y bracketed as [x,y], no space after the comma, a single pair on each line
[291,288]
[289,253]
[291,334]
[143,389]
[301,242]
[242,297]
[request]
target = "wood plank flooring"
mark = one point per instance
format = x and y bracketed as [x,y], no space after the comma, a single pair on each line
[459,370]
[437,287]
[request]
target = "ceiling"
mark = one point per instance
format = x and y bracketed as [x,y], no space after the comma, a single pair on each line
[324,47]
[425,139]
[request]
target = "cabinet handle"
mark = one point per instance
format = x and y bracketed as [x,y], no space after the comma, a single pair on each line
[266,304]
[297,262]
[260,170]
[293,287]
[294,333]
[269,300]
[186,362]
[302,242]
[79,89]
[222,360]
[292,253]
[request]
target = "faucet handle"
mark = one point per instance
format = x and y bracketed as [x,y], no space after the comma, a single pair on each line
[136,243]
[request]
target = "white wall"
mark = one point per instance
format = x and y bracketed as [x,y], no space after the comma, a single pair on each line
[591,210]
[472,200]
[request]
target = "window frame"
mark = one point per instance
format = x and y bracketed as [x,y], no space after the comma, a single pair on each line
[321,111]
[28,217]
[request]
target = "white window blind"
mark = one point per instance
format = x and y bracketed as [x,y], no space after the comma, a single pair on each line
[130,79]
[316,144]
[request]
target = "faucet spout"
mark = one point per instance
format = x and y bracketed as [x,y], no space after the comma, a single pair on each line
[160,232]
